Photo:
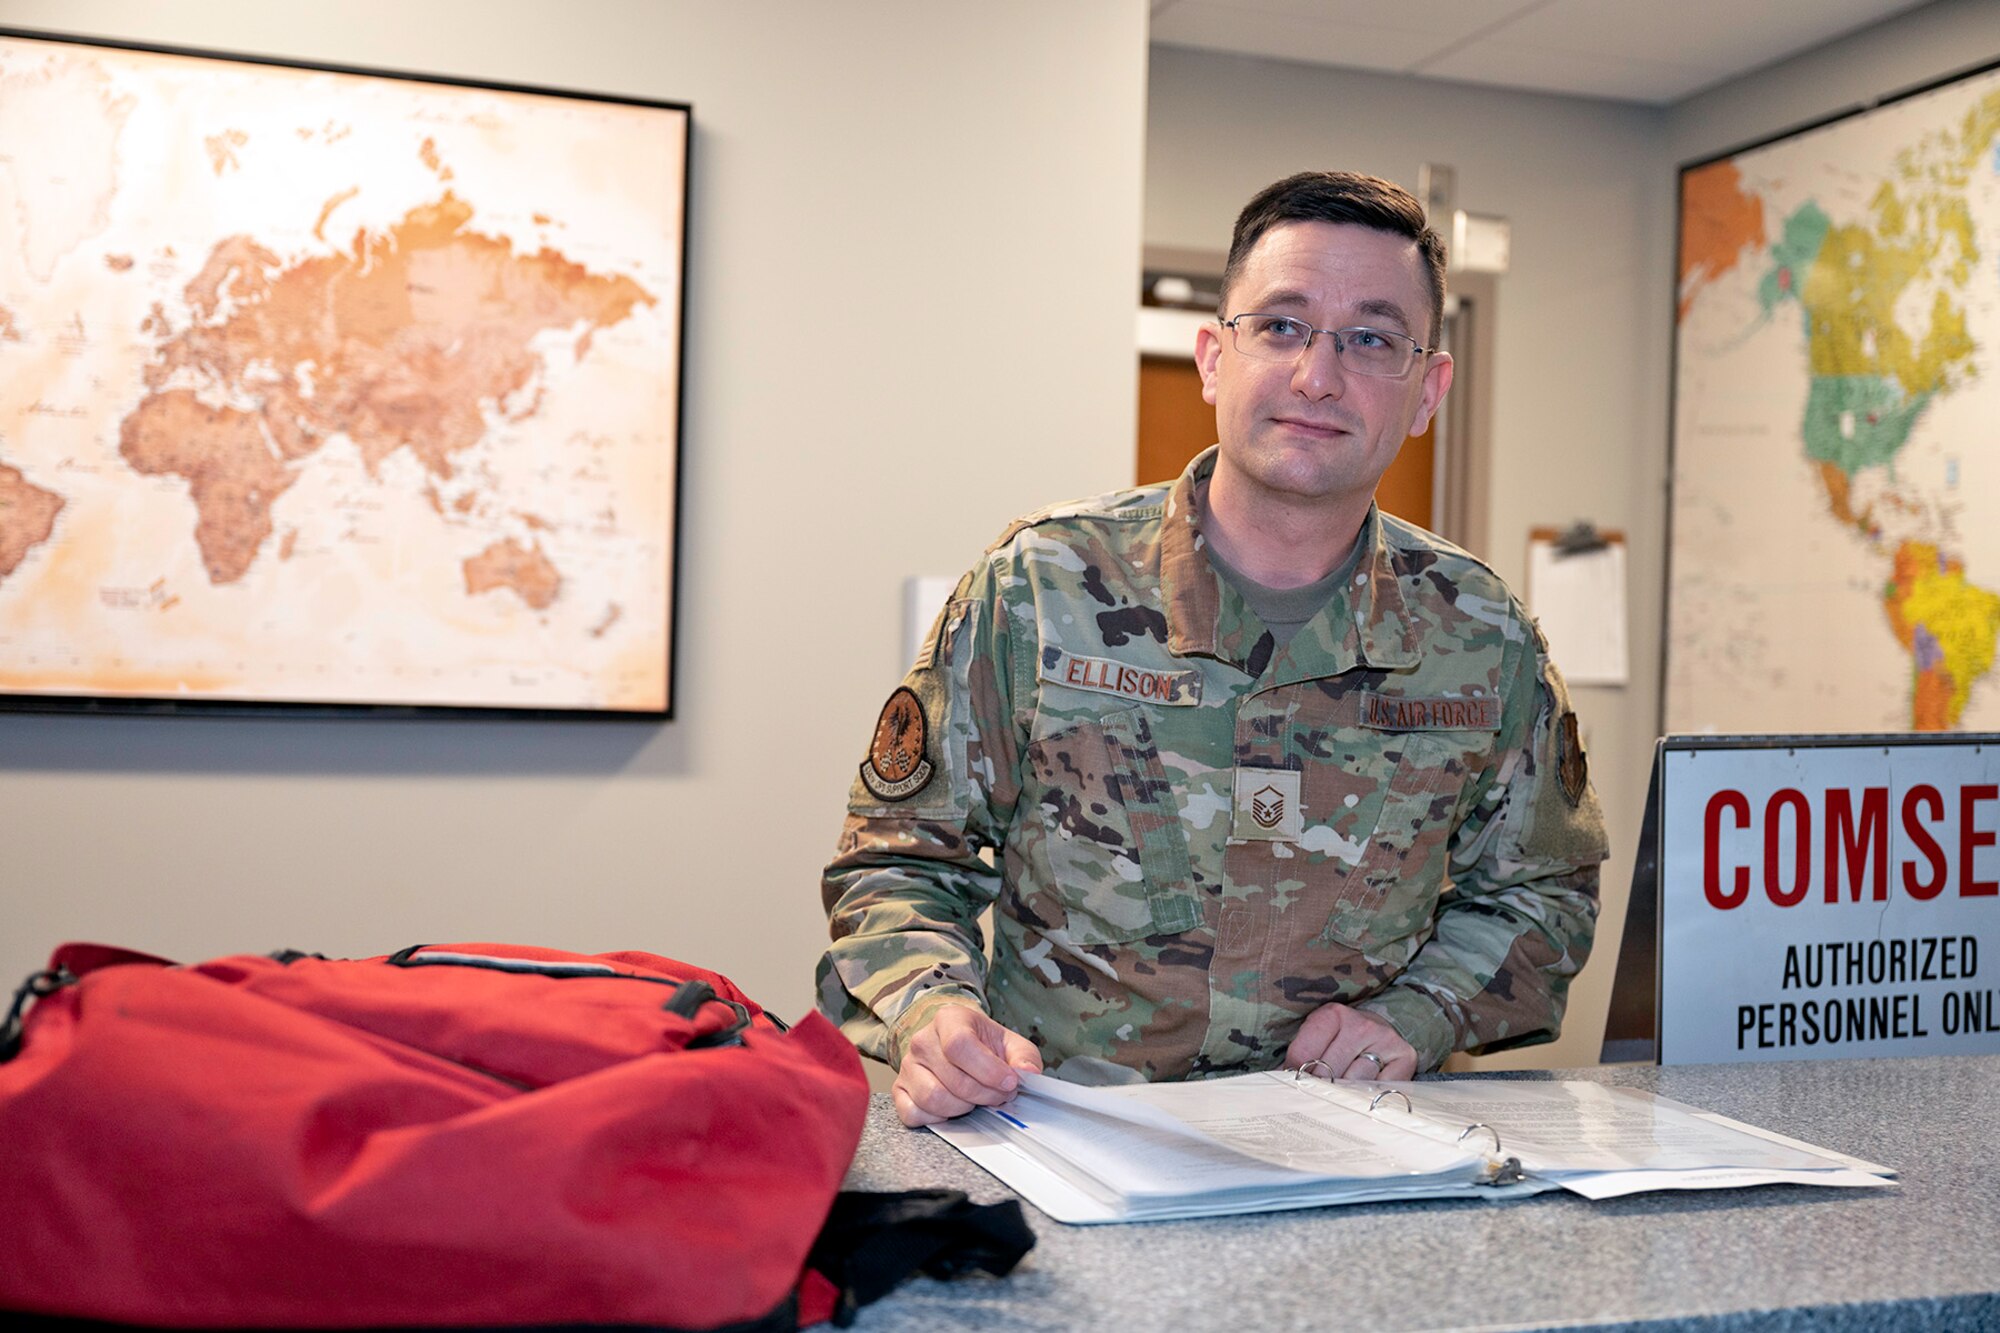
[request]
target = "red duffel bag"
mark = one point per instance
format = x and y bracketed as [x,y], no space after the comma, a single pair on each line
[456,1135]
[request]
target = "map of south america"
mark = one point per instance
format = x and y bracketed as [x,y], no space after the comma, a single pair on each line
[27,517]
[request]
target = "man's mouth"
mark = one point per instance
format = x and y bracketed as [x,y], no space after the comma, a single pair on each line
[1311,426]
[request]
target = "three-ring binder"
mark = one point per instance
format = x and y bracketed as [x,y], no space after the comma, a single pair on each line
[1501,1169]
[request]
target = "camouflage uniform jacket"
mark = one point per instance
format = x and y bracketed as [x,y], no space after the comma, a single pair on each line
[1197,840]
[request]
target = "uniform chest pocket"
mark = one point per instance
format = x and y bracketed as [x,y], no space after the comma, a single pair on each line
[1109,833]
[1391,845]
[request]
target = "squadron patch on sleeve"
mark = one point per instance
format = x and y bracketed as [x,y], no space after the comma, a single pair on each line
[896,769]
[1572,770]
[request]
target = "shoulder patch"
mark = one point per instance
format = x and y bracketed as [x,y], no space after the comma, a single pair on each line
[1572,769]
[896,768]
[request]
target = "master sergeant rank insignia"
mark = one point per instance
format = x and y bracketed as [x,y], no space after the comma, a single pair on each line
[896,769]
[1267,806]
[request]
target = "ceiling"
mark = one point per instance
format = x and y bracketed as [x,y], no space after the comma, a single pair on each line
[1651,51]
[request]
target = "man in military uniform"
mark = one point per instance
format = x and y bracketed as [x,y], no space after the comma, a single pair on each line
[1266,776]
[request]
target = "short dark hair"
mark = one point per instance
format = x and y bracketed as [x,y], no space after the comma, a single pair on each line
[1338,196]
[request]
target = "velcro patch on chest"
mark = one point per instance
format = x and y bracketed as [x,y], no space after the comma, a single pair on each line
[1266,806]
[1175,689]
[1444,712]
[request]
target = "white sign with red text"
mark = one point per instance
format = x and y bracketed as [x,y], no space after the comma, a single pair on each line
[1829,900]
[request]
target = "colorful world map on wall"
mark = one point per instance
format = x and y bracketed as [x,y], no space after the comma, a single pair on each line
[330,388]
[1835,547]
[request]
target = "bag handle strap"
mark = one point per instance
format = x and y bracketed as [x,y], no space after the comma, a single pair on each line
[686,1001]
[39,984]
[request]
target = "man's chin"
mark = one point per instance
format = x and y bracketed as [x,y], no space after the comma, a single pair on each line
[1303,472]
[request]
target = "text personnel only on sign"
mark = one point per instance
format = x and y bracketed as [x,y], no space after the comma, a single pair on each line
[1829,897]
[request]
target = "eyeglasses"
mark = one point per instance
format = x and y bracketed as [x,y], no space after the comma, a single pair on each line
[1360,349]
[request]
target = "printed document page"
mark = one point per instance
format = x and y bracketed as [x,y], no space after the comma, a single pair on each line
[1605,1141]
[1220,1134]
[1254,1142]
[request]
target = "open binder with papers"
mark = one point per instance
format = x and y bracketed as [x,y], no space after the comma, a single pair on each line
[1261,1142]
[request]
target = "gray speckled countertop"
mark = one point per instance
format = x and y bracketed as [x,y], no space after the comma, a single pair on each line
[1924,1254]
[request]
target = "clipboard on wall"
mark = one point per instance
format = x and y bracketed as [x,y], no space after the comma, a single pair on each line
[1576,591]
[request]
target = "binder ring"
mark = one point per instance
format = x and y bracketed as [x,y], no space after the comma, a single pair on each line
[1488,1128]
[1376,1100]
[1306,1070]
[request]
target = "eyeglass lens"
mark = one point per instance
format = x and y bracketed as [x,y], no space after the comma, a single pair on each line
[1363,350]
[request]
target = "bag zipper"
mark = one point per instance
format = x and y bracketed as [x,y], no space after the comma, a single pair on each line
[686,1001]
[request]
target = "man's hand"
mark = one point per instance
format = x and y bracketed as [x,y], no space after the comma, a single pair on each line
[1349,1043]
[959,1060]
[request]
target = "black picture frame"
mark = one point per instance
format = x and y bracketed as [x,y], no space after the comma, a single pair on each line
[548,304]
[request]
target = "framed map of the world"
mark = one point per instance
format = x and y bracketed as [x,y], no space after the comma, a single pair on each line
[1834,562]
[328,390]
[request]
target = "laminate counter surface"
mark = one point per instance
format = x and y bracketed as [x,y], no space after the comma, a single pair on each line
[1924,1254]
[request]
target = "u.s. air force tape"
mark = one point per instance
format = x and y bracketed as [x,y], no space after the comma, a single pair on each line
[1397,712]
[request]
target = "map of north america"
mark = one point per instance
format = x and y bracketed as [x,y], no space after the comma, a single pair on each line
[1849,315]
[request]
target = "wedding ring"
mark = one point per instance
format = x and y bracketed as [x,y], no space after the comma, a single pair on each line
[1370,1055]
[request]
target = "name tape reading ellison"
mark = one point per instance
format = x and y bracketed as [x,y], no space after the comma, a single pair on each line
[1853,860]
[1102,674]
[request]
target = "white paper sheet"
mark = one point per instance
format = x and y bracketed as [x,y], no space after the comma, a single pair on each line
[1257,1142]
[1579,601]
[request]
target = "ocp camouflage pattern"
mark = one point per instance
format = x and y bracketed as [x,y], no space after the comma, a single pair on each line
[1192,839]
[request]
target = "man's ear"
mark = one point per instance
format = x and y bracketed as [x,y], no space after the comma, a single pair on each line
[1437,382]
[1208,352]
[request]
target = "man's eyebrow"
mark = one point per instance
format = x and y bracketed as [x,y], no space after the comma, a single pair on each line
[1381,309]
[1286,298]
[1283,298]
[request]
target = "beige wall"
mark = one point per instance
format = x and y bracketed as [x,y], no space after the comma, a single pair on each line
[1927,44]
[855,165]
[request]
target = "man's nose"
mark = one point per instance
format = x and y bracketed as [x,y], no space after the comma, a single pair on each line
[1318,372]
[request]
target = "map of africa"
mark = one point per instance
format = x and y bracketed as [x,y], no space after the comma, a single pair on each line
[1835,559]
[323,388]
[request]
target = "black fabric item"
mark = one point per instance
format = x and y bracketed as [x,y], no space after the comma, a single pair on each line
[871,1242]
[689,997]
